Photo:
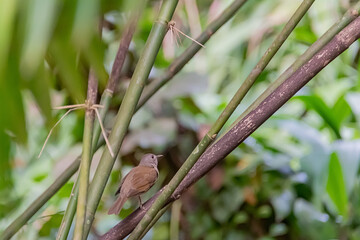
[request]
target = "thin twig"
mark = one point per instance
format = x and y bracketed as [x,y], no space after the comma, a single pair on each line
[51,130]
[82,105]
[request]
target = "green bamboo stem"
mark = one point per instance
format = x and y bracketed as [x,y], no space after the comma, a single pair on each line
[185,57]
[175,220]
[84,175]
[86,156]
[156,218]
[127,108]
[71,207]
[69,213]
[40,201]
[105,101]
[349,16]
[230,108]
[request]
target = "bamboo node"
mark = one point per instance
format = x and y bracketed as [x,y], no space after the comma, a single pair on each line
[212,137]
[111,92]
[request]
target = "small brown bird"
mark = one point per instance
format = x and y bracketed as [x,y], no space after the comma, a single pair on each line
[139,180]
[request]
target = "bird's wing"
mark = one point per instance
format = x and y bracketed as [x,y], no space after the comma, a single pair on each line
[122,181]
[141,180]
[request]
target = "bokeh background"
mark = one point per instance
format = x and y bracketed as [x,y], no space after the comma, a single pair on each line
[296,177]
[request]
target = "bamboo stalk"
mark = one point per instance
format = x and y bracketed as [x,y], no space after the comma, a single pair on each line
[225,115]
[105,101]
[127,108]
[69,213]
[156,218]
[190,52]
[86,156]
[175,220]
[219,150]
[71,207]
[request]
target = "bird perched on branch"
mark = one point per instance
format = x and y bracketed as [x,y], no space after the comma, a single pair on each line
[138,181]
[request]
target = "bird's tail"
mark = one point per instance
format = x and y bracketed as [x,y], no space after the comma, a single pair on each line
[117,206]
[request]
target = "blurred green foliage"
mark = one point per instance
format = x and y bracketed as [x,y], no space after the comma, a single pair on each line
[295,178]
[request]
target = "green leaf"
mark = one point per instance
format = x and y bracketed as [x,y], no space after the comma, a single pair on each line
[8,201]
[161,231]
[7,17]
[40,23]
[327,114]
[336,185]
[278,229]
[5,166]
[40,88]
[348,152]
[94,55]
[341,110]
[264,211]
[85,22]
[225,204]
[49,227]
[282,204]
[65,59]
[12,110]
[304,33]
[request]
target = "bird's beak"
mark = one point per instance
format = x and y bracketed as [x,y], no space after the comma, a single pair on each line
[159,156]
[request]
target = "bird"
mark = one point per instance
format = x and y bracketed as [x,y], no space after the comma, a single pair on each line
[138,181]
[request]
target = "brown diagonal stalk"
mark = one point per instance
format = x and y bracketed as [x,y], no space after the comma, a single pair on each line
[250,122]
